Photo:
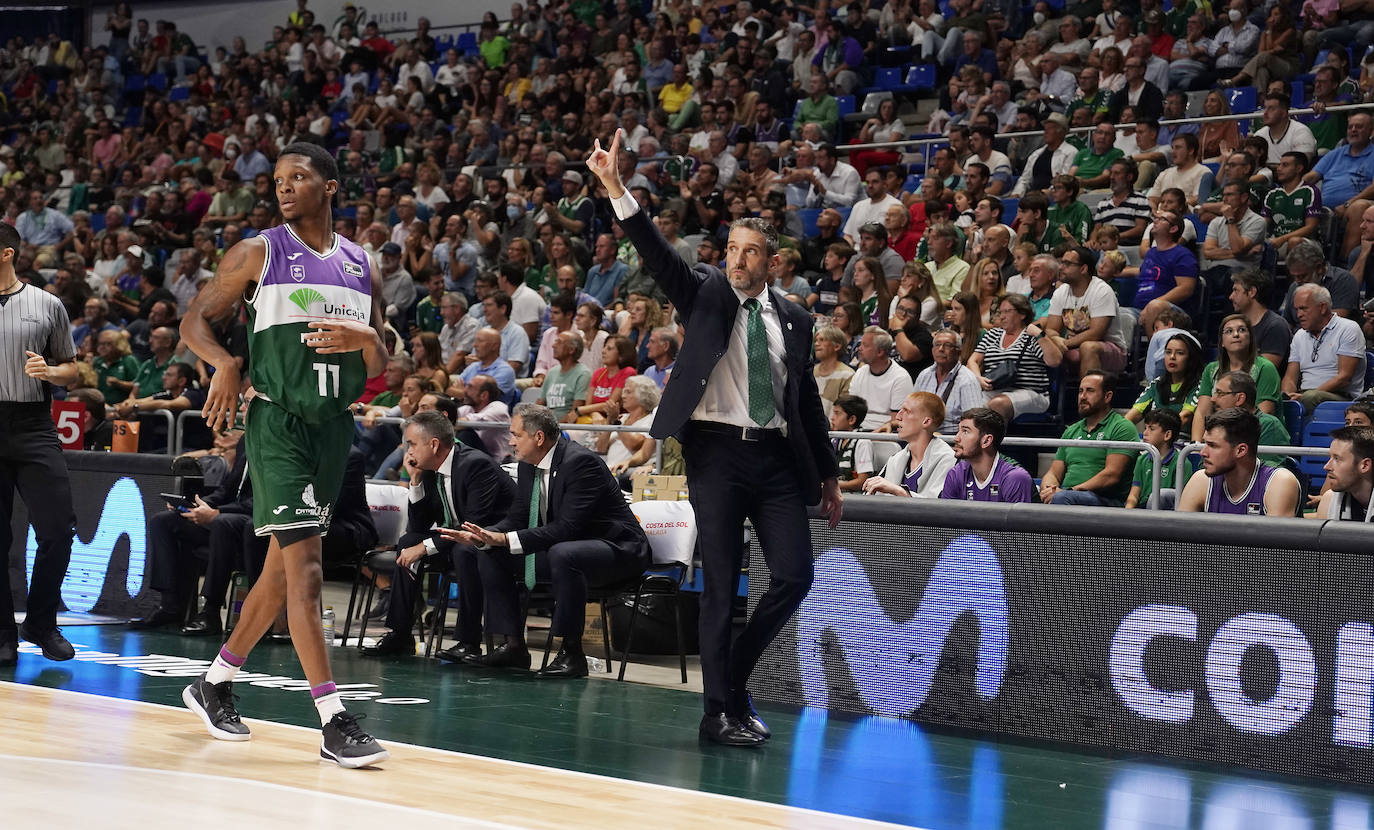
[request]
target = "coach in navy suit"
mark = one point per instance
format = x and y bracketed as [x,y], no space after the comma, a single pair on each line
[570,515]
[744,404]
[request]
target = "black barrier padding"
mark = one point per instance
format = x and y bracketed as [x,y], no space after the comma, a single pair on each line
[105,516]
[871,637]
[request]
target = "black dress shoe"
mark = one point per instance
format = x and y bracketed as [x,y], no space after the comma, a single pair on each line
[383,603]
[459,653]
[504,656]
[157,619]
[55,646]
[749,719]
[566,665]
[392,644]
[204,624]
[9,649]
[727,730]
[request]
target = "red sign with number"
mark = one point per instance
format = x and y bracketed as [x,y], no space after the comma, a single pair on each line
[70,418]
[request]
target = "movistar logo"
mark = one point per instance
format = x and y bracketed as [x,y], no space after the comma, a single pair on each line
[893,663]
[304,297]
[122,517]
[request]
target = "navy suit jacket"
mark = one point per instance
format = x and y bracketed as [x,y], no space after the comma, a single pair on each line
[583,501]
[708,305]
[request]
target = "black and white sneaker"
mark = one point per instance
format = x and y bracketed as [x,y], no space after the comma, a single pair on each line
[214,702]
[346,744]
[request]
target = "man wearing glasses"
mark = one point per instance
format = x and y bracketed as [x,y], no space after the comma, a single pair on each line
[1327,360]
[1145,98]
[1083,316]
[1238,389]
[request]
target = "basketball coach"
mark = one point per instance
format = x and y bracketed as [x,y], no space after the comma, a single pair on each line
[743,403]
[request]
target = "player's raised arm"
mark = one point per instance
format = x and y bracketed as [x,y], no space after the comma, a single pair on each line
[237,271]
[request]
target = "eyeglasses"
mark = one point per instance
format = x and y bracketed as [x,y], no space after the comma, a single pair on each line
[1221,393]
[1230,331]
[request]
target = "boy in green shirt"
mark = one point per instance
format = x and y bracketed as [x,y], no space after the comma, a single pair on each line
[1162,426]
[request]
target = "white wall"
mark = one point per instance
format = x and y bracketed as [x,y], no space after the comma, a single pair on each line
[216,24]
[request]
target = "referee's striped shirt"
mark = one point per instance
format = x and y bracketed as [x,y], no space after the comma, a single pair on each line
[31,320]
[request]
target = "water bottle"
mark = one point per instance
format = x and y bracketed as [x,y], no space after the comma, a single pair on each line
[327,623]
[595,664]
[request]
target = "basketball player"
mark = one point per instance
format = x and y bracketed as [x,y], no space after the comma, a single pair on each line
[1232,481]
[314,311]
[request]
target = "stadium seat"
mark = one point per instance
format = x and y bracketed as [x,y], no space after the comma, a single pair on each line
[179,93]
[1009,208]
[133,116]
[921,76]
[1368,370]
[135,83]
[97,221]
[846,104]
[158,81]
[913,184]
[1198,225]
[888,77]
[1328,416]
[467,42]
[1242,99]
[1298,94]
[1292,417]
[808,217]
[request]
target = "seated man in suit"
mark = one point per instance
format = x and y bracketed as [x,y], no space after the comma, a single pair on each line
[450,484]
[570,521]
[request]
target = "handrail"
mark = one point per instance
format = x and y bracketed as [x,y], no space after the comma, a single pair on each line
[1022,441]
[1264,449]
[1233,116]
[173,433]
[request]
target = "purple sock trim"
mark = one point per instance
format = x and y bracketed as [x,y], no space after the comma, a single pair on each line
[317,692]
[231,658]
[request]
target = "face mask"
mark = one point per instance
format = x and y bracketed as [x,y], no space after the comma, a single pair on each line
[1234,15]
[512,212]
[1039,18]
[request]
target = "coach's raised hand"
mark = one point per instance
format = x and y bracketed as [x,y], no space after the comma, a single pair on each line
[605,165]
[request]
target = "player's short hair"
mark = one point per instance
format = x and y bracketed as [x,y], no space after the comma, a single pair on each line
[1365,408]
[434,424]
[764,229]
[1238,425]
[320,159]
[9,237]
[931,404]
[1361,440]
[988,422]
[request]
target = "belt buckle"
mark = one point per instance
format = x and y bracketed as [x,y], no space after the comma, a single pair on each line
[750,434]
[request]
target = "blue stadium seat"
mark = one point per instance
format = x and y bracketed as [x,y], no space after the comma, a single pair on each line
[808,217]
[179,93]
[135,83]
[888,77]
[97,221]
[1298,94]
[133,116]
[1243,99]
[1009,208]
[921,76]
[913,184]
[1326,417]
[1198,225]
[467,42]
[158,81]
[347,212]
[844,214]
[1293,417]
[1368,370]
[846,105]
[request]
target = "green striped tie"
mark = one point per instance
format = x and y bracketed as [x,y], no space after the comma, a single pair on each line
[534,522]
[761,406]
[443,498]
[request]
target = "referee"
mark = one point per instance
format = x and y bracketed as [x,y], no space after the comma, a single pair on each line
[34,330]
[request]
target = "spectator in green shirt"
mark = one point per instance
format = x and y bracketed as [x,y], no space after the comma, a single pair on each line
[1089,476]
[566,385]
[427,312]
[163,343]
[1070,217]
[115,366]
[493,46]
[1092,165]
[1162,426]
[820,108]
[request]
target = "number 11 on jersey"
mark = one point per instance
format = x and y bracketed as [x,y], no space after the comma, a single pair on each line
[327,372]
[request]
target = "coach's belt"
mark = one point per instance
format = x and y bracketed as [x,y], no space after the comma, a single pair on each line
[741,433]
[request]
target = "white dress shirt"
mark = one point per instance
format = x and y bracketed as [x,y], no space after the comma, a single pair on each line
[726,397]
[544,470]
[443,474]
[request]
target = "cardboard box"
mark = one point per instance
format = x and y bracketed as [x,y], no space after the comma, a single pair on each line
[649,487]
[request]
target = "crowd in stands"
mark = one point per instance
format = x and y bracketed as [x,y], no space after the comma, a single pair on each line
[1107,253]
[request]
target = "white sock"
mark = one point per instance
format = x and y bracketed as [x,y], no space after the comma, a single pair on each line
[328,706]
[221,670]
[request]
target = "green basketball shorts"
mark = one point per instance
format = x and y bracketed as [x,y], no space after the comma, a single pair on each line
[297,468]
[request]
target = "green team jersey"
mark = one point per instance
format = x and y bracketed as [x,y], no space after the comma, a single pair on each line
[299,286]
[1288,211]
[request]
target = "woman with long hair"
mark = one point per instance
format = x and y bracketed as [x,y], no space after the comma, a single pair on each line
[1217,137]
[608,382]
[874,299]
[1113,70]
[963,316]
[559,253]
[1177,381]
[644,316]
[917,284]
[429,359]
[1238,353]
[985,282]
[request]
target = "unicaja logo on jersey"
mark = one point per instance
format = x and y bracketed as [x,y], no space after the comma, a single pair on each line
[308,496]
[893,664]
[305,297]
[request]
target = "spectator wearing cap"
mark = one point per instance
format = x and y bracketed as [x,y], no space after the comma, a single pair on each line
[873,243]
[1055,158]
[872,209]
[1327,359]
[398,286]
[574,212]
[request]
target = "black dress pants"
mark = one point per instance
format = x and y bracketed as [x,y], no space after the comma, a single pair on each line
[573,567]
[31,463]
[732,480]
